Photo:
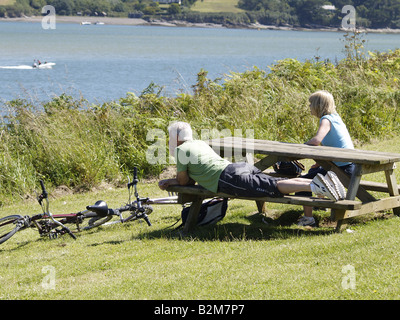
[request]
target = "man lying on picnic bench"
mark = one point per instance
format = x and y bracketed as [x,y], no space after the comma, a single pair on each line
[197,162]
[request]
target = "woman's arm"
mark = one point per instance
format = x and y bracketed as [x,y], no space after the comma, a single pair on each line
[323,130]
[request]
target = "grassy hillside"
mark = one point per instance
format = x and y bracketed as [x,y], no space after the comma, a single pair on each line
[7,2]
[214,6]
[239,258]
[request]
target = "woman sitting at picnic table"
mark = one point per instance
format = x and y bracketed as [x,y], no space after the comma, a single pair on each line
[332,132]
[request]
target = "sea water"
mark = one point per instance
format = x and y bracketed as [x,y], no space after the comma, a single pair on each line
[103,62]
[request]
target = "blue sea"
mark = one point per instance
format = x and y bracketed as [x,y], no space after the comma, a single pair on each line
[103,62]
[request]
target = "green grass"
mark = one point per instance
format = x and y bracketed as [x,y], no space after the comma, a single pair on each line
[239,258]
[6,2]
[214,6]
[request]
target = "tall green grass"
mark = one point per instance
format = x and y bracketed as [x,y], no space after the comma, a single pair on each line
[70,142]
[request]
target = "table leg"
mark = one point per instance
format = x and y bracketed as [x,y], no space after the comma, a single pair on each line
[392,186]
[354,183]
[339,222]
[351,193]
[261,206]
[266,162]
[361,193]
[193,215]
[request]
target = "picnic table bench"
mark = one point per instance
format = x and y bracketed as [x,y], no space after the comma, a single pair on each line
[366,162]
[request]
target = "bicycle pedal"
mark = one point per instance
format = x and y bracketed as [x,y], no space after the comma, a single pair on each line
[53,235]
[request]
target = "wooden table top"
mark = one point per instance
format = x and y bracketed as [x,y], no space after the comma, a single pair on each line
[302,151]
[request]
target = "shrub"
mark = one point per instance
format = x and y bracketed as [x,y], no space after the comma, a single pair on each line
[67,141]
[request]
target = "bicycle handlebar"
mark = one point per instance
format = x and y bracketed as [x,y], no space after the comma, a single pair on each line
[146,218]
[135,178]
[44,192]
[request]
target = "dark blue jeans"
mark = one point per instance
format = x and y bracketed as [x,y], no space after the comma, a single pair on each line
[347,169]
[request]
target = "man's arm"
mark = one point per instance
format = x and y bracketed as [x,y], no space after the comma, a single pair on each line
[182,178]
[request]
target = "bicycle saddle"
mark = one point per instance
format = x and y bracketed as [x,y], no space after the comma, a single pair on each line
[100,207]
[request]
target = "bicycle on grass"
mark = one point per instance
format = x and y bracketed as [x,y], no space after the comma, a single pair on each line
[54,225]
[138,209]
[46,222]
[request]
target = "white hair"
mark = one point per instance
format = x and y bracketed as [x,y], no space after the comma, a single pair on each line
[179,131]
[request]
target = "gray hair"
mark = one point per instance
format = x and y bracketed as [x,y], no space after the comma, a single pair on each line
[180,130]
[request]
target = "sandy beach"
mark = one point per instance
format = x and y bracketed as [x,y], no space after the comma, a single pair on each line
[142,22]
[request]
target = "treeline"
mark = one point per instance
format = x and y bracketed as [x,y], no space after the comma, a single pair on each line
[112,8]
[303,13]
[369,13]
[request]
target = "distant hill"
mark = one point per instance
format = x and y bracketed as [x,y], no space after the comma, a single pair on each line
[303,13]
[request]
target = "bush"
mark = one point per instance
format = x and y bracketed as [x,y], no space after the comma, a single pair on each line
[68,142]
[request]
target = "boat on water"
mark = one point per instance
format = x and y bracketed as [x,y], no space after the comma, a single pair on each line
[87,23]
[46,65]
[39,65]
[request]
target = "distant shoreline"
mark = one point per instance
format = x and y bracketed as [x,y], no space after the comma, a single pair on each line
[142,22]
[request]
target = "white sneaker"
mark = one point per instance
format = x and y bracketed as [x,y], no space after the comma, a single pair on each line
[306,221]
[323,188]
[334,181]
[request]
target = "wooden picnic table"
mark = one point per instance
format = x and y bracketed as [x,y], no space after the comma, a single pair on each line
[270,152]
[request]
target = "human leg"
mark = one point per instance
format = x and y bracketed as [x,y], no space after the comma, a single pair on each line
[334,182]
[245,180]
[294,185]
[308,211]
[320,186]
[242,179]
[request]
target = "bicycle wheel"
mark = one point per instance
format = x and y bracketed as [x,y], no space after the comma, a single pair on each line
[9,226]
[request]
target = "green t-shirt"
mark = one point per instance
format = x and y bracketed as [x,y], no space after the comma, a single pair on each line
[201,162]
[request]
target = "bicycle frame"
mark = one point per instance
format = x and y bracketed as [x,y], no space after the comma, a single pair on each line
[42,227]
[139,208]
[45,222]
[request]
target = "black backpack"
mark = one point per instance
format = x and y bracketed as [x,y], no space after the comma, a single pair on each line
[289,168]
[211,211]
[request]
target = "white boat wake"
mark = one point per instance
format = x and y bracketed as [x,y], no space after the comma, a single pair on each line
[47,65]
